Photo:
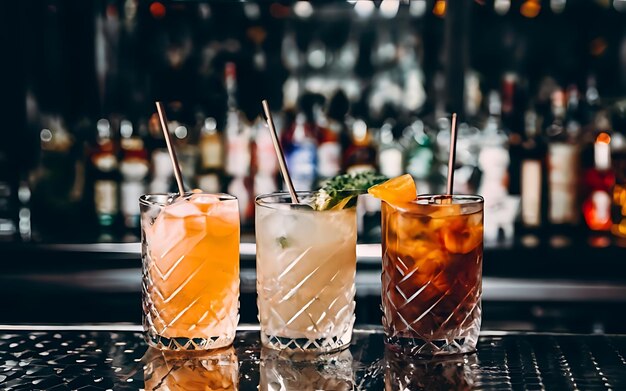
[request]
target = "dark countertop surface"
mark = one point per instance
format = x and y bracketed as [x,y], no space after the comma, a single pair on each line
[115,357]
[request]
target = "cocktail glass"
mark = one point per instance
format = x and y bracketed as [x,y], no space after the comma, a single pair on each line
[432,274]
[306,264]
[190,256]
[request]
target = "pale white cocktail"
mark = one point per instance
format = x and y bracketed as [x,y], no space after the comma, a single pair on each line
[306,264]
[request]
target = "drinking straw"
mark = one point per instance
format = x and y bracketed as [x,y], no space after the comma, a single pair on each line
[279,152]
[170,147]
[452,157]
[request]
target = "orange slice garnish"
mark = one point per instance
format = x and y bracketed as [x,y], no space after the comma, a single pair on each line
[396,190]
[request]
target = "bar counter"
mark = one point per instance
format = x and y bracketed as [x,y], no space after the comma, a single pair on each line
[574,288]
[115,357]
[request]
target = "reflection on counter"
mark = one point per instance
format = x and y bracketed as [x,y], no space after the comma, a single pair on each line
[192,370]
[106,359]
[458,373]
[281,371]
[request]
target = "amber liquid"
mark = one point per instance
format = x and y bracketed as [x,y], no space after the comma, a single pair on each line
[432,265]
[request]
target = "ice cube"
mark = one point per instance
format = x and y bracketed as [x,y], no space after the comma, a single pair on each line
[305,228]
[165,230]
[165,235]
[412,226]
[470,208]
[204,202]
[175,231]
[278,224]
[182,208]
[227,210]
[475,219]
[223,217]
[461,238]
[446,211]
[195,225]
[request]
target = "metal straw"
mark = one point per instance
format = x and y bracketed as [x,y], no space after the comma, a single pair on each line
[452,157]
[170,147]
[279,152]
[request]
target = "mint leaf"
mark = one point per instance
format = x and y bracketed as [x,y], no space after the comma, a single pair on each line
[282,242]
[333,190]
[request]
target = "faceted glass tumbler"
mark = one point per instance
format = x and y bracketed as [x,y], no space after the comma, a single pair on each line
[306,264]
[190,262]
[432,274]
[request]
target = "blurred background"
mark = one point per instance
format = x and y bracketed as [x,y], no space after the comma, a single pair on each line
[539,87]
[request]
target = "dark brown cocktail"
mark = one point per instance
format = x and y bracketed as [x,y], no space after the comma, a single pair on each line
[431,280]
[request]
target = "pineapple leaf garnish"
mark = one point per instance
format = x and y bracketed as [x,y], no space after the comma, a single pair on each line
[341,191]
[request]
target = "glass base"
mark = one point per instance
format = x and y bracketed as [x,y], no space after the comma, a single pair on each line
[184,343]
[417,347]
[320,345]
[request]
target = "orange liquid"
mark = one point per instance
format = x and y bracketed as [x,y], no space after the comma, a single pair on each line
[193,269]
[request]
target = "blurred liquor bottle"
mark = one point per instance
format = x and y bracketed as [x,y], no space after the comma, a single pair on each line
[338,120]
[242,187]
[24,215]
[493,161]
[238,153]
[360,156]
[618,146]
[236,132]
[420,157]
[186,144]
[264,160]
[574,116]
[134,171]
[299,141]
[300,152]
[591,105]
[56,179]
[7,200]
[533,177]
[599,181]
[106,174]
[160,163]
[513,105]
[563,164]
[391,153]
[329,142]
[211,169]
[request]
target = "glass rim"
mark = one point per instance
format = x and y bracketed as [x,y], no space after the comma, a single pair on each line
[145,199]
[263,200]
[471,199]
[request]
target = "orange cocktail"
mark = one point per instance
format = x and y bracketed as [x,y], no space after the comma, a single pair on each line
[190,252]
